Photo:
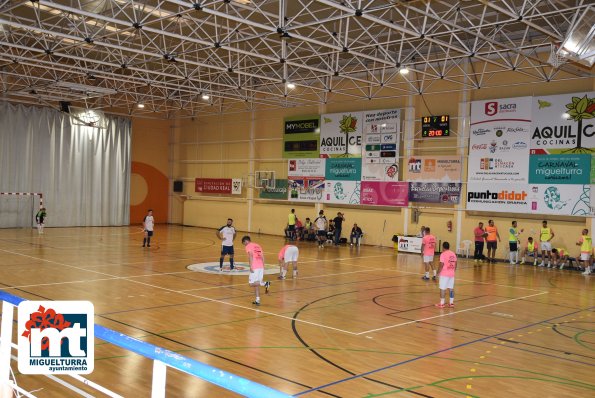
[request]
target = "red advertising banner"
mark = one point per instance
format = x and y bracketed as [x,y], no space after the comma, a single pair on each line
[213,185]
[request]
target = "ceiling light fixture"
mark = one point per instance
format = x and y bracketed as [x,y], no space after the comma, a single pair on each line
[205,97]
[290,86]
[404,71]
[140,105]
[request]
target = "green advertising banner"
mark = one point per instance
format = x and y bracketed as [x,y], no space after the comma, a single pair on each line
[279,192]
[301,137]
[343,169]
[560,169]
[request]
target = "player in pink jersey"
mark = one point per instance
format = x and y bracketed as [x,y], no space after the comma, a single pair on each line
[256,261]
[288,254]
[446,270]
[428,246]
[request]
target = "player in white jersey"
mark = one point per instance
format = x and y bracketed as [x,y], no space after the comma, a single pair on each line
[321,225]
[148,224]
[227,234]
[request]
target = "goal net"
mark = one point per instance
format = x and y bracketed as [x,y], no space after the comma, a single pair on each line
[18,209]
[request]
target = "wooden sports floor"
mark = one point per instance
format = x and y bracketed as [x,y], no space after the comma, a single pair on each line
[357,322]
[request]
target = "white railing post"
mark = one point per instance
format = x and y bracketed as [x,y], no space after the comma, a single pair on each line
[6,341]
[159,370]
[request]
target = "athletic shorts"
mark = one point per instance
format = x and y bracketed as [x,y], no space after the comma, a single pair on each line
[447,282]
[585,256]
[531,254]
[513,246]
[546,246]
[225,250]
[291,254]
[492,244]
[256,276]
[149,233]
[291,227]
[321,232]
[428,259]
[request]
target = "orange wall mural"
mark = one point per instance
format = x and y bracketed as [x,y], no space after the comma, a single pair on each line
[156,193]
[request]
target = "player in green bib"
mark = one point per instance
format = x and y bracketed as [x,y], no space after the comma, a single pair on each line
[546,234]
[586,244]
[513,242]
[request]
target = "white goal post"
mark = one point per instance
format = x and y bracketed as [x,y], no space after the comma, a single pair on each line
[17,215]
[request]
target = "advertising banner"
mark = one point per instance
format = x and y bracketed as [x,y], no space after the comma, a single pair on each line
[343,169]
[563,123]
[301,137]
[433,168]
[500,169]
[216,185]
[384,193]
[380,152]
[507,198]
[435,192]
[560,169]
[306,189]
[570,200]
[499,140]
[347,192]
[341,135]
[279,192]
[305,167]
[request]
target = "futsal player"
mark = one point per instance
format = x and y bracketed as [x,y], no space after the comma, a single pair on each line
[256,262]
[428,247]
[148,224]
[446,270]
[288,254]
[227,234]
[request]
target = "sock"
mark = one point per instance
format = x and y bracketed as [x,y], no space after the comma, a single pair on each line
[283,273]
[220,262]
[295,272]
[257,299]
[149,241]
[434,272]
[144,241]
[231,262]
[427,274]
[441,301]
[452,297]
[511,255]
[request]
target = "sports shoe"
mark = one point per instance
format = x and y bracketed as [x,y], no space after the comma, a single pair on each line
[280,277]
[562,266]
[587,272]
[451,305]
[434,278]
[425,278]
[148,245]
[542,264]
[256,302]
[295,273]
[522,262]
[220,269]
[476,261]
[439,305]
[267,285]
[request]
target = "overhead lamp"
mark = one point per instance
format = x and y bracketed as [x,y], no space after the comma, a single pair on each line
[404,70]
[290,86]
[205,97]
[140,105]
[579,43]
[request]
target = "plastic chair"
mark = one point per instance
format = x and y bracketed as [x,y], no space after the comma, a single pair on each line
[464,248]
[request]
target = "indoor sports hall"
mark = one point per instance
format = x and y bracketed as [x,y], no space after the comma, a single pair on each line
[431,162]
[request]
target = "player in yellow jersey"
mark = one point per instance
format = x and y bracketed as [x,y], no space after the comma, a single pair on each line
[513,241]
[546,234]
[530,250]
[559,257]
[586,245]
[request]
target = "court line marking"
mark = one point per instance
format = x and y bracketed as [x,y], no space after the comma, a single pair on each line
[187,294]
[448,314]
[129,278]
[364,374]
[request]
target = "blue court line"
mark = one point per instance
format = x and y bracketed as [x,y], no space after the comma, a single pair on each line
[435,352]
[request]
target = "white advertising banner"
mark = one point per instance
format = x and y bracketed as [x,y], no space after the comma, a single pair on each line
[341,135]
[507,198]
[432,169]
[347,192]
[499,140]
[566,199]
[306,167]
[380,147]
[563,123]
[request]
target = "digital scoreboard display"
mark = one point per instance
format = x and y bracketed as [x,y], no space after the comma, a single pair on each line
[435,126]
